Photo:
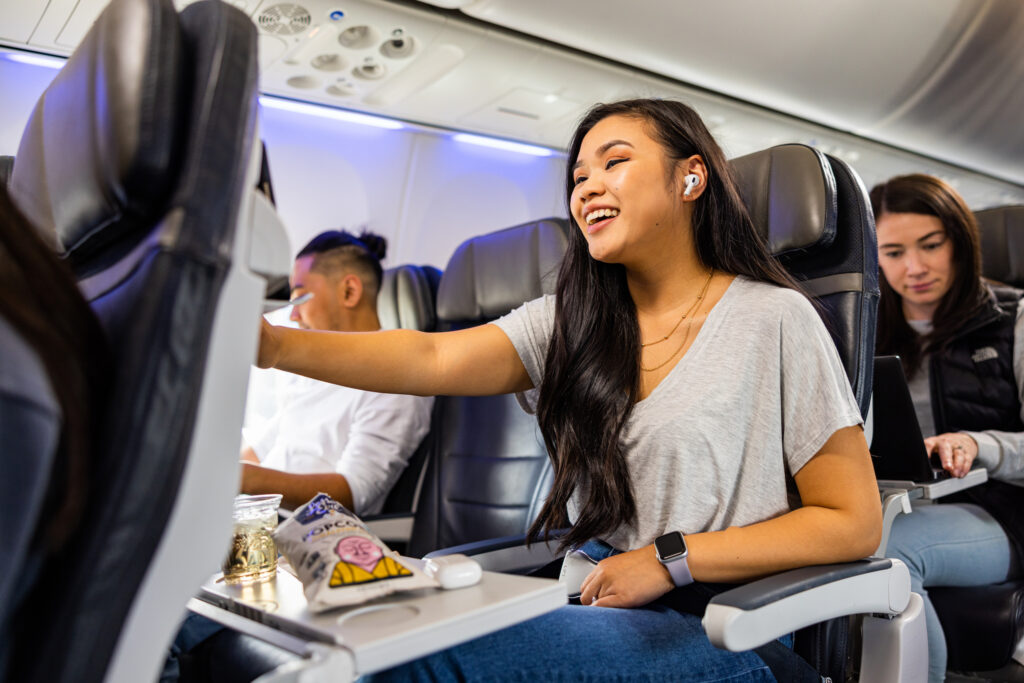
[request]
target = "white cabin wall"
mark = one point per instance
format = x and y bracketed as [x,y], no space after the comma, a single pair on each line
[421,189]
[457,190]
[20,88]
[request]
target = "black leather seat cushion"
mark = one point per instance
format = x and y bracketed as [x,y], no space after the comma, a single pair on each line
[1002,244]
[407,298]
[983,624]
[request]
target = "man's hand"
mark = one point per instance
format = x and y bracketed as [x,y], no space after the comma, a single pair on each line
[956,451]
[630,579]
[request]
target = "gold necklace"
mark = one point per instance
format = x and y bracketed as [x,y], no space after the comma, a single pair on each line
[681,319]
[688,313]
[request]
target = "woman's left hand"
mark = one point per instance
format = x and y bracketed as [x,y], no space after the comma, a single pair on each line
[630,579]
[956,451]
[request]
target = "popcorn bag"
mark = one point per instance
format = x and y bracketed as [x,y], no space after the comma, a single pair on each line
[339,560]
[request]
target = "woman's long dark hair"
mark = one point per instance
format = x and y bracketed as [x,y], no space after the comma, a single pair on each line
[40,299]
[592,372]
[931,196]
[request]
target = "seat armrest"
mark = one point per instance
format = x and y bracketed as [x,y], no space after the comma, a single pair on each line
[508,554]
[761,611]
[938,489]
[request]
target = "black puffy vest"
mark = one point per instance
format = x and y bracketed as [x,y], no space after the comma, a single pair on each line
[973,389]
[972,382]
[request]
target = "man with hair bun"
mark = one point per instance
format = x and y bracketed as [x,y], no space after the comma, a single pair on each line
[348,443]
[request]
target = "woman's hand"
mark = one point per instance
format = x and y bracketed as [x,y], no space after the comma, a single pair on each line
[630,579]
[269,345]
[956,451]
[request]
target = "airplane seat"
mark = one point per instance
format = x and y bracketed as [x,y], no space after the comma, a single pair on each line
[1002,244]
[407,300]
[814,212]
[825,238]
[138,163]
[6,169]
[983,625]
[488,473]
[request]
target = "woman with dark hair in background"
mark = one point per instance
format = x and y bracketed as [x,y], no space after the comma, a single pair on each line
[51,387]
[682,382]
[962,345]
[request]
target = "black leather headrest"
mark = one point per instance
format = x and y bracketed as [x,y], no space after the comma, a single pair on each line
[1002,244]
[6,169]
[110,136]
[406,298]
[489,275]
[790,192]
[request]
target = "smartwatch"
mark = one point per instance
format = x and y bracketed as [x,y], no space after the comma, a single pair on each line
[671,551]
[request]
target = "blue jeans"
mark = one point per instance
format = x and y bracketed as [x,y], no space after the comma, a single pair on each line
[576,643]
[948,545]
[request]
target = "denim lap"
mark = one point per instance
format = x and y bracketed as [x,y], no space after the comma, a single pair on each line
[576,643]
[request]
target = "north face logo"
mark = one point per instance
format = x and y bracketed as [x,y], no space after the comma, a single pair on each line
[984,353]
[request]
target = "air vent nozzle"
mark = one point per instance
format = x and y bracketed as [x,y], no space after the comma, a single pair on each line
[284,19]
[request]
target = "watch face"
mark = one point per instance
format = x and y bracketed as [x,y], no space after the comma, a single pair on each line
[670,545]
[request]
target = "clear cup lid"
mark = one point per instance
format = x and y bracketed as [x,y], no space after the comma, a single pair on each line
[247,506]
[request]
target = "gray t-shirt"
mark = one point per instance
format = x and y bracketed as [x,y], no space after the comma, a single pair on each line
[920,387]
[758,393]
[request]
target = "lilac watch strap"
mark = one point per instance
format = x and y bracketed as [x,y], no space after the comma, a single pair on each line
[679,569]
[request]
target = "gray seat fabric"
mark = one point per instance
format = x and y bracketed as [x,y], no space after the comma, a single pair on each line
[133,164]
[488,472]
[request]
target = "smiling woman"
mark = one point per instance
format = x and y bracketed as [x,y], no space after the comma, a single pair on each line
[667,466]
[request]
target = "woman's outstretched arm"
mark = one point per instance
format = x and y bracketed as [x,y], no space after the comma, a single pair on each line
[474,362]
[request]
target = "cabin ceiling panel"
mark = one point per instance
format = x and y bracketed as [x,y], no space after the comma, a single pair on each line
[974,103]
[19,21]
[838,62]
[940,78]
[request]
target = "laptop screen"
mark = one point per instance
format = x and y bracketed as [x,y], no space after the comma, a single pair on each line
[897,446]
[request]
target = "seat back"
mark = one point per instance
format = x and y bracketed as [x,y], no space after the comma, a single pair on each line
[815,213]
[138,163]
[489,471]
[1002,244]
[407,300]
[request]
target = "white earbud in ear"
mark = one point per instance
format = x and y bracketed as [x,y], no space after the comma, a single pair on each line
[692,180]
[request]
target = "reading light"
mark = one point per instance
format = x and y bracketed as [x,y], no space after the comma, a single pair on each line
[35,60]
[330,113]
[507,145]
